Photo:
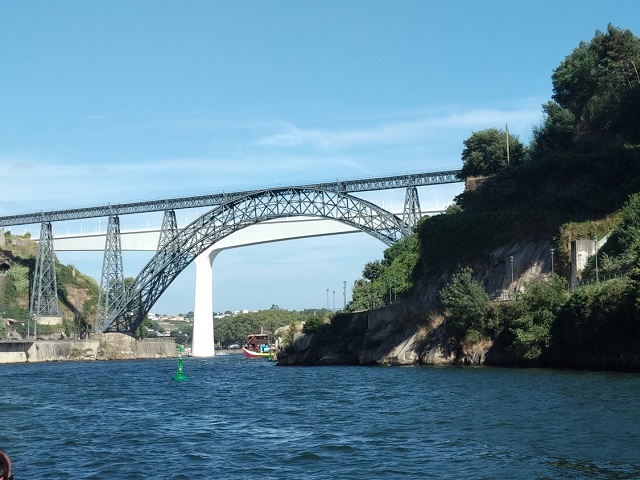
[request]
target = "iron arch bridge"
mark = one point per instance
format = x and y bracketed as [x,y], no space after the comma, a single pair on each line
[181,247]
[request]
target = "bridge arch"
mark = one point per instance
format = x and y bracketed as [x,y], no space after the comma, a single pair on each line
[255,207]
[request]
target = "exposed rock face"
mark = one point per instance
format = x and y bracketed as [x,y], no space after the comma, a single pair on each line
[413,333]
[401,334]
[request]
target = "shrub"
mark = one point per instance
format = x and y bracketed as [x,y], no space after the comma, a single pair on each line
[539,305]
[466,306]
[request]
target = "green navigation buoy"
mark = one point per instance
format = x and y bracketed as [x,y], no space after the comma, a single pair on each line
[180,376]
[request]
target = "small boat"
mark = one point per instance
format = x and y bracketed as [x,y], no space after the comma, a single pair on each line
[257,346]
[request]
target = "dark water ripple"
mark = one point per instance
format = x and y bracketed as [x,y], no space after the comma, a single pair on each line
[236,418]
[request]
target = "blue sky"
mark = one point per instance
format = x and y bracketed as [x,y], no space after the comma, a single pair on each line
[119,101]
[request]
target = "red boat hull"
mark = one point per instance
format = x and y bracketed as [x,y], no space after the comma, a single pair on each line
[250,354]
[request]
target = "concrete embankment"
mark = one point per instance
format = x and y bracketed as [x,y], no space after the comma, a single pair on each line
[110,346]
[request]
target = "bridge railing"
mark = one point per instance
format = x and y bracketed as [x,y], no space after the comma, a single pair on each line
[341,186]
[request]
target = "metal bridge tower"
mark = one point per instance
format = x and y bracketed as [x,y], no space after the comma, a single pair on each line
[44,295]
[411,212]
[111,295]
[169,228]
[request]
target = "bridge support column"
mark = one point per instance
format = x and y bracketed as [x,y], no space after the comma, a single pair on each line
[203,340]
[411,213]
[44,295]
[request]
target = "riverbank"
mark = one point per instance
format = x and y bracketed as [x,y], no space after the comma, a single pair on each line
[107,346]
[407,334]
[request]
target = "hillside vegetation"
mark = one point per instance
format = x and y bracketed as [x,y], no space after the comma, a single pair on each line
[578,178]
[77,293]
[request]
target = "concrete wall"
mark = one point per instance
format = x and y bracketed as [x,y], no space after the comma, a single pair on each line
[24,351]
[49,320]
[581,251]
[109,346]
[115,346]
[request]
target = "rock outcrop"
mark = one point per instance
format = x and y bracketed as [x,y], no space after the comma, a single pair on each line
[412,332]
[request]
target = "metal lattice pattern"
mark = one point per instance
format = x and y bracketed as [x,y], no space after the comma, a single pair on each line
[343,186]
[169,228]
[111,295]
[44,294]
[220,222]
[411,212]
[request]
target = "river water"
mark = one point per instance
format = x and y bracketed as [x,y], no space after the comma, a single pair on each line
[245,419]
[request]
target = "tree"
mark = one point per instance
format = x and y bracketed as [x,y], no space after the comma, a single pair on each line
[599,83]
[485,152]
[622,250]
[539,306]
[466,305]
[372,270]
[555,133]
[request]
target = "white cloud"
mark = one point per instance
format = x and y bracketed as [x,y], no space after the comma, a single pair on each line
[429,125]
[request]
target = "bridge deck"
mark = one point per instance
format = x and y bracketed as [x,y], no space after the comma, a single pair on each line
[342,186]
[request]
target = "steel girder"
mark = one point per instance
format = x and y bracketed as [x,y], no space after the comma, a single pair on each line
[112,292]
[344,186]
[169,228]
[44,294]
[411,212]
[235,215]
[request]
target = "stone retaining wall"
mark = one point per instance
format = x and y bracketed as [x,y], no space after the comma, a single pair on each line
[109,346]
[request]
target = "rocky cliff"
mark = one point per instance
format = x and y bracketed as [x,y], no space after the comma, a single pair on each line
[412,332]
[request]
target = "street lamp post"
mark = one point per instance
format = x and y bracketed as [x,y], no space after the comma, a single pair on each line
[597,276]
[552,251]
[511,258]
[334,300]
[327,299]
[344,293]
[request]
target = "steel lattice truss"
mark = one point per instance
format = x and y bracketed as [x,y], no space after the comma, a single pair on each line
[411,211]
[237,214]
[169,228]
[344,186]
[111,296]
[44,294]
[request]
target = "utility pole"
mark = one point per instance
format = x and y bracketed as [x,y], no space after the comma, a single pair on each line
[507,127]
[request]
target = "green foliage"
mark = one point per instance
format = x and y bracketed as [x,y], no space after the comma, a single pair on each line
[453,209]
[599,84]
[183,336]
[600,321]
[144,327]
[383,281]
[312,323]
[19,276]
[622,250]
[587,229]
[3,328]
[485,152]
[535,310]
[341,334]
[16,312]
[466,306]
[372,270]
[554,134]
[235,328]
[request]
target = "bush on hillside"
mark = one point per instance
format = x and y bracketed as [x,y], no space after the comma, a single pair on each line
[466,306]
[536,309]
[600,322]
